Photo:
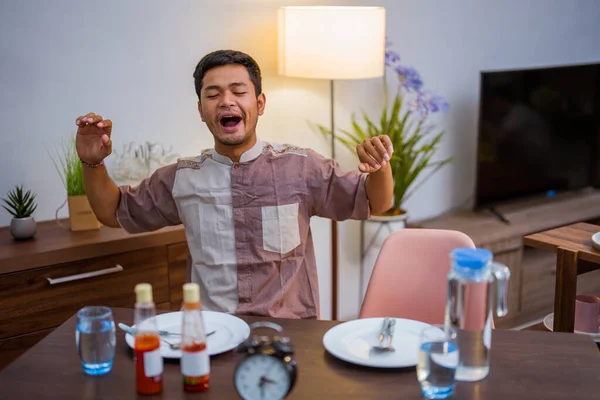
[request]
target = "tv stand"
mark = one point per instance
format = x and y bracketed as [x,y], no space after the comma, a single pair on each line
[498,214]
[531,286]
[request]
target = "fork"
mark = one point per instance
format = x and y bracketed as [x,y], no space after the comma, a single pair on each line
[133,331]
[386,327]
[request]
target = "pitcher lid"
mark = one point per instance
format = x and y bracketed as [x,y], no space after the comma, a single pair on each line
[471,258]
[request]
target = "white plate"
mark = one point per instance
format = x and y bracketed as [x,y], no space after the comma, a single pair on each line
[351,341]
[230,332]
[596,240]
[549,324]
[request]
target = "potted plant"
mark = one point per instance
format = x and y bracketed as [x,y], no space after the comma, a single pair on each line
[21,206]
[81,215]
[406,121]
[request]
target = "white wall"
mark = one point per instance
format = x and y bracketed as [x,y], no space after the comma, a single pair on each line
[132,61]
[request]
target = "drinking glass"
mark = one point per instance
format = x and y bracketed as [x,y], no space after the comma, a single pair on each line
[95,337]
[438,359]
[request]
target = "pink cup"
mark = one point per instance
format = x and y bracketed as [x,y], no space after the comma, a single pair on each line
[587,313]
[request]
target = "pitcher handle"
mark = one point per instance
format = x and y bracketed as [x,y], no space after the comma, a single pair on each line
[502,274]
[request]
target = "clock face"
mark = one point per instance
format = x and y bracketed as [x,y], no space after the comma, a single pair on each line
[262,377]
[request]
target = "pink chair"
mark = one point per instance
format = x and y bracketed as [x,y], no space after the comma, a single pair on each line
[409,279]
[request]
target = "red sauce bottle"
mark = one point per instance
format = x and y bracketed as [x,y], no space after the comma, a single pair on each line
[148,360]
[195,361]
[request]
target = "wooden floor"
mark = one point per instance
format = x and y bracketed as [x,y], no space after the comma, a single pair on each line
[539,271]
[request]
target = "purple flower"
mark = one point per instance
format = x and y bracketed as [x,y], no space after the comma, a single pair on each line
[391,58]
[427,102]
[409,78]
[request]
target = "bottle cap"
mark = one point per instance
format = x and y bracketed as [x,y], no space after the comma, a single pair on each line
[191,293]
[473,259]
[143,293]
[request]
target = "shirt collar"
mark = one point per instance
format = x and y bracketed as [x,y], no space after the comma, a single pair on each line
[247,156]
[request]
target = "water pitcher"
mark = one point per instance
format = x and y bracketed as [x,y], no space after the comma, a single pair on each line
[470,307]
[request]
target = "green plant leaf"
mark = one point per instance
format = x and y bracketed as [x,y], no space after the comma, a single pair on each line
[13,213]
[437,166]
[383,121]
[352,138]
[13,203]
[359,131]
[69,167]
[372,130]
[391,124]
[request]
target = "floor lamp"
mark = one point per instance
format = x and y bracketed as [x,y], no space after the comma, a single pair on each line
[329,42]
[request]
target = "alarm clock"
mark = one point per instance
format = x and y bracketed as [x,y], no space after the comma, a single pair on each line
[268,370]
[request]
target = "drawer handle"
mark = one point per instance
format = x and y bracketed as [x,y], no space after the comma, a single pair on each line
[77,277]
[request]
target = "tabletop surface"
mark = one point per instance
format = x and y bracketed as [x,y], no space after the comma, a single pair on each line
[575,237]
[524,365]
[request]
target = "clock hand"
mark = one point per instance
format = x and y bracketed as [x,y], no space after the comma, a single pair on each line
[267,380]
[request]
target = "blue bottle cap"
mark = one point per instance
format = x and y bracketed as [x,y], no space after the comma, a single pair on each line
[474,259]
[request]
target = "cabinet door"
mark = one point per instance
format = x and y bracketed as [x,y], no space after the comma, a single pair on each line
[177,255]
[42,298]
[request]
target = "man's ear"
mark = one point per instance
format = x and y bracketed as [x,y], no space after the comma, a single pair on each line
[200,110]
[261,100]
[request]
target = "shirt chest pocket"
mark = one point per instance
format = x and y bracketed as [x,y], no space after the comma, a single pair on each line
[280,228]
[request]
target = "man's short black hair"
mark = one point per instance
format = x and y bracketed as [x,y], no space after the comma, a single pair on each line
[226,57]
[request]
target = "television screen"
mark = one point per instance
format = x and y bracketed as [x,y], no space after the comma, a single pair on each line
[539,132]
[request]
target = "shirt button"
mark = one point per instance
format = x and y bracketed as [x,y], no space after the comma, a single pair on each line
[236,166]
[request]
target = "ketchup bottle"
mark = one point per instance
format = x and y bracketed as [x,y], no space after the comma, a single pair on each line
[148,360]
[195,361]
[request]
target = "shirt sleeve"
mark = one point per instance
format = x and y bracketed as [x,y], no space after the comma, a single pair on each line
[336,194]
[150,205]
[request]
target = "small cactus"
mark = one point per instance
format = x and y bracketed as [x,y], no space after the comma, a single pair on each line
[19,204]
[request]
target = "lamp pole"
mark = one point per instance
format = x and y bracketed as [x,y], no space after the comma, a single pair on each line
[334,247]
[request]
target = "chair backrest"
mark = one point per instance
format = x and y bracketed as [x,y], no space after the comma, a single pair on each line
[409,279]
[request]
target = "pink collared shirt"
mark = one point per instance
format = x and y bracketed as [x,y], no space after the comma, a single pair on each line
[247,223]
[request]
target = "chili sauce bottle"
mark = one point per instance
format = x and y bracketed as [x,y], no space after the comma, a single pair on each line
[195,361]
[148,360]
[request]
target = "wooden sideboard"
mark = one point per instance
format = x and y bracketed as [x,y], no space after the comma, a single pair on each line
[45,280]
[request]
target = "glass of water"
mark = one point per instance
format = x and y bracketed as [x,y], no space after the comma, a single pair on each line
[438,359]
[96,338]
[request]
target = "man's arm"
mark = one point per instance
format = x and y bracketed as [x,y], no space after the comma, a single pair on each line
[341,195]
[102,194]
[146,207]
[380,189]
[93,145]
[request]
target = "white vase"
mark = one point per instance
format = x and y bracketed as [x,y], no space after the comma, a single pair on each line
[23,228]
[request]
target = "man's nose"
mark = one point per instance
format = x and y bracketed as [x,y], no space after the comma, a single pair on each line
[227,100]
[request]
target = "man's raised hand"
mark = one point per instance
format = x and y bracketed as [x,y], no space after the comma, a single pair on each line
[93,141]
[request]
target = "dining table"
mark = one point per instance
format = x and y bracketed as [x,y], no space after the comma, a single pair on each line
[523,365]
[575,255]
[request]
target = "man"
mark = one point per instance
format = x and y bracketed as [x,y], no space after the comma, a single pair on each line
[245,204]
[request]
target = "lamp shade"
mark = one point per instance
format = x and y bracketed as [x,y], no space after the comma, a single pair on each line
[331,42]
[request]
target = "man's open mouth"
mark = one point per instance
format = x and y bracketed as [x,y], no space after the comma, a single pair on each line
[230,121]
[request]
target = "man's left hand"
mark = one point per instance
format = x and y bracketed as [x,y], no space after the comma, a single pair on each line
[374,153]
